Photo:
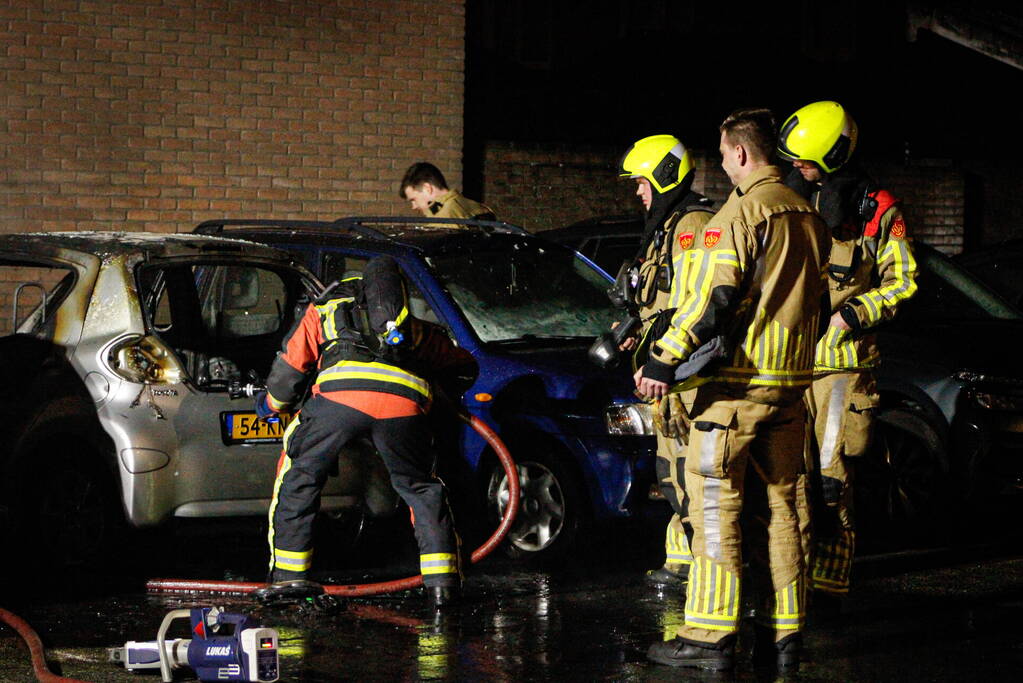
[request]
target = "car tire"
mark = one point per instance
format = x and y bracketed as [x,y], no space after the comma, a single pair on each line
[901,484]
[550,507]
[66,510]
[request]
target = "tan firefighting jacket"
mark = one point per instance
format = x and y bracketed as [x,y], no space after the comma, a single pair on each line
[872,272]
[653,290]
[758,278]
[455,205]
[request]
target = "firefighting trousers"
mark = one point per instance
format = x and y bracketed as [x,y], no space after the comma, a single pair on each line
[840,412]
[670,469]
[312,445]
[742,470]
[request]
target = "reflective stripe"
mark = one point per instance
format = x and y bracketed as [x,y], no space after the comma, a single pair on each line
[712,517]
[708,449]
[676,547]
[275,497]
[401,316]
[832,562]
[438,563]
[380,372]
[788,613]
[771,378]
[837,405]
[712,597]
[328,312]
[293,560]
[677,340]
[903,285]
[273,402]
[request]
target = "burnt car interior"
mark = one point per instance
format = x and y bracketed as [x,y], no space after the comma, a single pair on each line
[224,321]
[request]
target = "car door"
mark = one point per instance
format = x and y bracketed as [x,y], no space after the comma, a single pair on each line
[225,321]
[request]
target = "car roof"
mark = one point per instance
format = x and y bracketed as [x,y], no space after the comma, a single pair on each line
[101,243]
[596,226]
[386,234]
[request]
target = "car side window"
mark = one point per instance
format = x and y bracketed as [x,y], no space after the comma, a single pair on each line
[221,319]
[338,266]
[37,289]
[243,301]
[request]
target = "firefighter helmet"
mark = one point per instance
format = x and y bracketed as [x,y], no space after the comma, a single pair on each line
[661,159]
[822,132]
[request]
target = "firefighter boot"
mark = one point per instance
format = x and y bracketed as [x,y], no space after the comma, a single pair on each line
[284,591]
[443,598]
[686,653]
[669,575]
[782,655]
[287,586]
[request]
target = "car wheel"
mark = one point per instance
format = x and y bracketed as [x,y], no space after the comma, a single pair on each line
[75,522]
[67,508]
[550,508]
[901,484]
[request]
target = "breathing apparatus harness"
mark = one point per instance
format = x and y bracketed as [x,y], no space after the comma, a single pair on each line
[366,320]
[848,197]
[626,292]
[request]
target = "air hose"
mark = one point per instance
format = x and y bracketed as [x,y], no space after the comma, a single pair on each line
[367,589]
[35,648]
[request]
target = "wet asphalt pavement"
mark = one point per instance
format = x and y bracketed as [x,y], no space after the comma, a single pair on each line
[946,615]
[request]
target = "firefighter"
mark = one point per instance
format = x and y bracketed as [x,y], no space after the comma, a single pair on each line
[663,170]
[871,273]
[427,191]
[372,359]
[753,297]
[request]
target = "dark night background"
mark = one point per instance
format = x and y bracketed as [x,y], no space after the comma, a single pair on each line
[612,71]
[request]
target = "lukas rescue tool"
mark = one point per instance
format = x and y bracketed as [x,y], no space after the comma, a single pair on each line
[223,647]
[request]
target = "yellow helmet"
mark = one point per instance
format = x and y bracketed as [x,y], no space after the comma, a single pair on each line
[661,159]
[822,132]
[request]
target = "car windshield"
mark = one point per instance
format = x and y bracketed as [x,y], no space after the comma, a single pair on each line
[522,289]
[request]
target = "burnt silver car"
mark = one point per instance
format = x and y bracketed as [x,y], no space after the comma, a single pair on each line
[119,358]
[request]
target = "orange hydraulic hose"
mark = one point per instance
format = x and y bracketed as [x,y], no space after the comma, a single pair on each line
[35,648]
[367,589]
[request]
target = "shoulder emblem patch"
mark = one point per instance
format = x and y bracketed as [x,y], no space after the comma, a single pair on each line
[898,229]
[711,237]
[685,240]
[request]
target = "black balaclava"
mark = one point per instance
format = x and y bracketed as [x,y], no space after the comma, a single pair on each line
[841,193]
[664,204]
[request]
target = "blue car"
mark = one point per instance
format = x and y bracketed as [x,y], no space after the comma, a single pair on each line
[528,311]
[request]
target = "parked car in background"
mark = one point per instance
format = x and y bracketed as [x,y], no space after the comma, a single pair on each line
[950,426]
[999,266]
[527,310]
[120,352]
[606,240]
[951,384]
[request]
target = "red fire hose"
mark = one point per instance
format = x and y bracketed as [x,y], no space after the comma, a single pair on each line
[366,589]
[35,648]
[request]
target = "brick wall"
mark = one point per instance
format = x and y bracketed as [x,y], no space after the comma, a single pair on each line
[548,186]
[157,114]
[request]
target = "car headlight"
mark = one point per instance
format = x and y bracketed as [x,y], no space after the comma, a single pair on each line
[144,360]
[629,419]
[998,402]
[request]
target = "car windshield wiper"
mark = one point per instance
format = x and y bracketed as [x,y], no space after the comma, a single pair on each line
[533,338]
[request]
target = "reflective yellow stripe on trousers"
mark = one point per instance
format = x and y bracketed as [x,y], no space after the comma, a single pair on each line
[438,563]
